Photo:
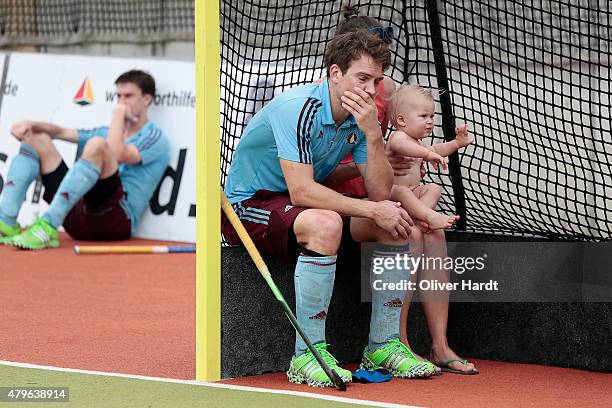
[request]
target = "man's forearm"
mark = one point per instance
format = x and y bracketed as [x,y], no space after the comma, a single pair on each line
[379,173]
[116,132]
[315,195]
[51,129]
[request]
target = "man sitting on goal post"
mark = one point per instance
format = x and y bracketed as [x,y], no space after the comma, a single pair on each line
[104,194]
[288,148]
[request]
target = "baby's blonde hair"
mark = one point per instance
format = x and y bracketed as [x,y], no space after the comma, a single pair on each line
[405,90]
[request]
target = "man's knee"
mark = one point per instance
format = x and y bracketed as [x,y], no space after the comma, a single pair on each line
[327,225]
[366,230]
[95,147]
[321,226]
[416,235]
[37,140]
[435,236]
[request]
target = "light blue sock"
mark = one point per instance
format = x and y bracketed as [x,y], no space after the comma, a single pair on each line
[78,181]
[314,284]
[24,169]
[387,304]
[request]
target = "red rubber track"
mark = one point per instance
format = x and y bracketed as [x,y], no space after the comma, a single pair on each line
[135,314]
[497,385]
[132,314]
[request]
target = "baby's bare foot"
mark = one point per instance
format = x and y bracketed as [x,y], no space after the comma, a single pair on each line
[441,221]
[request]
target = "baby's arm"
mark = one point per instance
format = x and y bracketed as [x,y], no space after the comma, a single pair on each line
[462,139]
[401,144]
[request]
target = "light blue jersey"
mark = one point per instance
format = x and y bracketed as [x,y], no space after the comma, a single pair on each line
[298,126]
[141,179]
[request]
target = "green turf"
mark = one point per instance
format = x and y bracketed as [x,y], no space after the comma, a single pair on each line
[93,391]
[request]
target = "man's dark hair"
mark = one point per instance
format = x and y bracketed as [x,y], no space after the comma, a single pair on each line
[343,49]
[141,79]
[353,21]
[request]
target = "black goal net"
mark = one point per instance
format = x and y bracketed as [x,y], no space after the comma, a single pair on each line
[531,78]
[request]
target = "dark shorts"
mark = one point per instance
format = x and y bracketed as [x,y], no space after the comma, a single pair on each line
[98,216]
[268,218]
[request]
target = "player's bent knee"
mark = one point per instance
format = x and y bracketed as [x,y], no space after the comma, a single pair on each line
[38,139]
[321,226]
[328,225]
[435,236]
[416,235]
[95,146]
[365,230]
[386,238]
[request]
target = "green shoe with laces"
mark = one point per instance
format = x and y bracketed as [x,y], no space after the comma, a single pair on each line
[398,359]
[7,232]
[305,369]
[39,235]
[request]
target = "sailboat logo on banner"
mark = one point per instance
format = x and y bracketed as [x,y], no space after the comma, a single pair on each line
[84,95]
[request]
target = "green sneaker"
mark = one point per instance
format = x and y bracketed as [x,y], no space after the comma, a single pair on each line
[39,235]
[305,369]
[398,359]
[6,241]
[7,232]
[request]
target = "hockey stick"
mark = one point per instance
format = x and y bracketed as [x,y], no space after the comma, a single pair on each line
[263,269]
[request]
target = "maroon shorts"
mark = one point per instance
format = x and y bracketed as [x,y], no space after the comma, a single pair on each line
[99,215]
[268,218]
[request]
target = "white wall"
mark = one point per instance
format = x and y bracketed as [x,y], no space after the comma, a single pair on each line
[42,87]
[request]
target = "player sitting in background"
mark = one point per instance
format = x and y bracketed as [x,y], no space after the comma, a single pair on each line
[412,114]
[105,193]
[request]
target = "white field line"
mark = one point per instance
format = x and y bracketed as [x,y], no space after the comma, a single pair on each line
[208,384]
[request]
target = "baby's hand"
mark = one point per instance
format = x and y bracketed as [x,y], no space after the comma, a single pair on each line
[462,136]
[436,160]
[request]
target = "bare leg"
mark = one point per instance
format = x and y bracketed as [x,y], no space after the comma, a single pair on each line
[428,196]
[436,310]
[319,230]
[366,230]
[416,248]
[50,158]
[98,152]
